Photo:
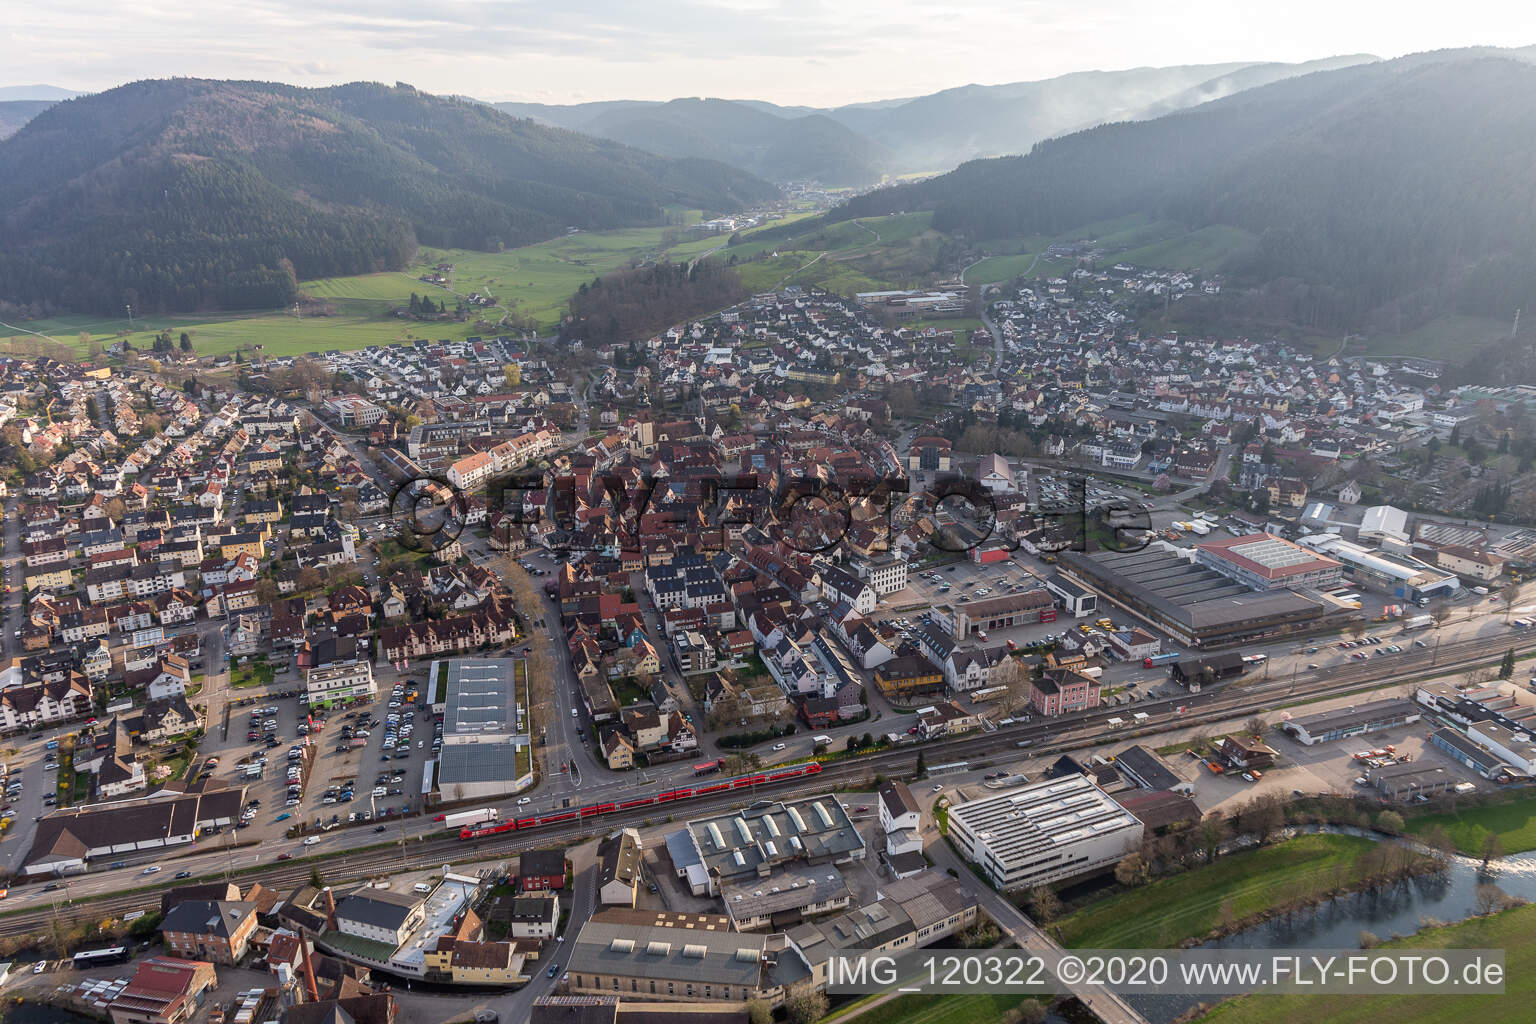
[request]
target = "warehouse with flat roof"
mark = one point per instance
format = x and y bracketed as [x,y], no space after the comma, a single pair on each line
[1191,602]
[1047,831]
[1354,720]
[485,746]
[742,847]
[1262,561]
[660,955]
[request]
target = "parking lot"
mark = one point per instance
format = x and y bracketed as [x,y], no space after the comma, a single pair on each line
[363,780]
[29,792]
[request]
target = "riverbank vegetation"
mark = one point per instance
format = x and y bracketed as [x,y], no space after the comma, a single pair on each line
[1235,890]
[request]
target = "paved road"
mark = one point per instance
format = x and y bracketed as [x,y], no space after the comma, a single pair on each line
[1106,1005]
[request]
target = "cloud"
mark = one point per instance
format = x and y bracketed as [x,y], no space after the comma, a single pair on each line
[817,52]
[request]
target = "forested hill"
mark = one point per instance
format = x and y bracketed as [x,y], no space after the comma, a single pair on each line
[813,147]
[190,194]
[1381,194]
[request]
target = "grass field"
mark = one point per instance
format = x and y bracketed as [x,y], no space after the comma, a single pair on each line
[535,281]
[761,275]
[1447,335]
[1513,822]
[1206,248]
[1510,931]
[1132,239]
[980,1008]
[995,269]
[1164,913]
[279,333]
[392,288]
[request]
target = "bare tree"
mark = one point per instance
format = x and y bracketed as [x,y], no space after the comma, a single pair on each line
[1018,689]
[1489,899]
[1214,830]
[1438,839]
[1493,849]
[1044,904]
[1509,597]
[1261,817]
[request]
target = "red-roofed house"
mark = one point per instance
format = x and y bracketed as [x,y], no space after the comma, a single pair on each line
[163,990]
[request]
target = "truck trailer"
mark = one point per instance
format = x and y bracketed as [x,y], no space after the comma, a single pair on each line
[454,822]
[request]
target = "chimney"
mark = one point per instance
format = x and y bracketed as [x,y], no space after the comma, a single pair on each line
[309,969]
[330,909]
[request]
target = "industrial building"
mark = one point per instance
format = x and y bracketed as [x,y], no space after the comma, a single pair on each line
[1472,754]
[1044,832]
[740,847]
[907,914]
[1078,602]
[786,898]
[1415,779]
[1194,604]
[484,728]
[1355,720]
[961,620]
[1399,576]
[68,839]
[1263,562]
[644,954]
[1194,673]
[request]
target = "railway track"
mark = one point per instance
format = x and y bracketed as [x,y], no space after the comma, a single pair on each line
[1045,737]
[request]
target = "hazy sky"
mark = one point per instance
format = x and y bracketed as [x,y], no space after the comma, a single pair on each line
[817,52]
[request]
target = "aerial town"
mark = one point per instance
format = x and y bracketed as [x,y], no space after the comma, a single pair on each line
[509,680]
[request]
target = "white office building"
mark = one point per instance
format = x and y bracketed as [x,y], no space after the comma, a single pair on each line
[339,682]
[1045,832]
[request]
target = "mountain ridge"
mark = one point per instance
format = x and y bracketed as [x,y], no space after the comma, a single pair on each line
[1355,182]
[932,132]
[193,193]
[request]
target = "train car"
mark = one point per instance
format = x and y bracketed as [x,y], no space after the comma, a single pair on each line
[668,796]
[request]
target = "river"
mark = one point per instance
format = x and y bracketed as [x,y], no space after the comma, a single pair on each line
[1398,910]
[40,1013]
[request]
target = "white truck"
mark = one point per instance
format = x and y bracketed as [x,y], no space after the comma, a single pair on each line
[1418,622]
[463,819]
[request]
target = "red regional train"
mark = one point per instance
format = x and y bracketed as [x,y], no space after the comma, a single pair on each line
[665,797]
